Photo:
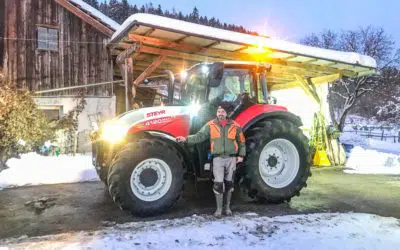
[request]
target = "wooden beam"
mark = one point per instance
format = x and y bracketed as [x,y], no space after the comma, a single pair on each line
[366,73]
[304,84]
[85,17]
[149,70]
[148,33]
[212,44]
[212,53]
[176,54]
[135,48]
[314,80]
[182,39]
[162,66]
[163,43]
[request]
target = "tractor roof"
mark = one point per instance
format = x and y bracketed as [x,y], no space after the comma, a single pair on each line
[160,43]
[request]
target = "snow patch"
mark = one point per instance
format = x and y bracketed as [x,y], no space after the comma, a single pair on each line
[312,231]
[370,156]
[367,161]
[34,169]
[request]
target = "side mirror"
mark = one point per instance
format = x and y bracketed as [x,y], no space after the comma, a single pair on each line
[272,100]
[216,73]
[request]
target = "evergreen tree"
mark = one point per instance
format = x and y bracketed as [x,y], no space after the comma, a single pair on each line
[113,8]
[123,11]
[120,10]
[159,10]
[181,16]
[134,9]
[194,16]
[104,8]
[92,3]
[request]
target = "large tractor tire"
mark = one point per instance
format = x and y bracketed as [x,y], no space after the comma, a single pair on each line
[102,172]
[146,177]
[278,161]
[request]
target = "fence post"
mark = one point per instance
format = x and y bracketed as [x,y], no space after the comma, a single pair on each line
[383,132]
[398,137]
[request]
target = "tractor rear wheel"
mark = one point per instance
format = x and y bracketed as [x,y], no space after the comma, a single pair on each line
[146,177]
[278,161]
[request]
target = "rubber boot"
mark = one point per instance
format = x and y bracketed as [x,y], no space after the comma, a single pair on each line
[228,211]
[219,199]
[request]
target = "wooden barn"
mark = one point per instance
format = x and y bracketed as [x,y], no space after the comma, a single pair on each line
[56,44]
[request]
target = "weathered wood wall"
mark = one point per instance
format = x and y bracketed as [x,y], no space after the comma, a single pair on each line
[82,56]
[1,33]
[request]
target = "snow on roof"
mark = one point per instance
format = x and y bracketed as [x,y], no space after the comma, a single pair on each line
[197,30]
[98,14]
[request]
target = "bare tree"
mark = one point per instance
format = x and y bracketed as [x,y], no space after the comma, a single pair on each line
[374,42]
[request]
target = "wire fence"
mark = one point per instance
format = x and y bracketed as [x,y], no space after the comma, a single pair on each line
[383,133]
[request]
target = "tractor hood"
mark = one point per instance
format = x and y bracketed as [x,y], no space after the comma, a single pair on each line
[172,120]
[134,117]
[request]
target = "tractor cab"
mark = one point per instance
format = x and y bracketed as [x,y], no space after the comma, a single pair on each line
[241,83]
[224,81]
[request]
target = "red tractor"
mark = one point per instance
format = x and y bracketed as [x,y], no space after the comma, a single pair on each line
[136,154]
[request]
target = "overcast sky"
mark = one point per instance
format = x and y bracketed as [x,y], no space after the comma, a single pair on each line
[294,19]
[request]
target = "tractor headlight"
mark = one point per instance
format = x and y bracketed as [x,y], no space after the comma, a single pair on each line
[114,131]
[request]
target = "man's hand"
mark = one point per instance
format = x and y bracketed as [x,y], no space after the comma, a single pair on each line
[180,139]
[239,159]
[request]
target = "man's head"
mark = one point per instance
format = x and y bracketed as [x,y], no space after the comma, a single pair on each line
[223,109]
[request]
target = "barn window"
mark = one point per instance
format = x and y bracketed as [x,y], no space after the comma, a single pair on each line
[47,39]
[52,113]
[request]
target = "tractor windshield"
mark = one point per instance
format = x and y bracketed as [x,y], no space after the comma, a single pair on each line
[194,88]
[234,82]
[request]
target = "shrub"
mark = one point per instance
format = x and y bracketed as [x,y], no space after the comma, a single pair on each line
[23,127]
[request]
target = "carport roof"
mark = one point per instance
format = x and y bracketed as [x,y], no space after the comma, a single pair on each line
[183,44]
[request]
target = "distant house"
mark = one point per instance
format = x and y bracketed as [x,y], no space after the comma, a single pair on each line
[53,44]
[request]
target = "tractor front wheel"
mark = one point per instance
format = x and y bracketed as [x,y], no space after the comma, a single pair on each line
[278,161]
[146,177]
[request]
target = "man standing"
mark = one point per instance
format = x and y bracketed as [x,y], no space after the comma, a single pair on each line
[227,145]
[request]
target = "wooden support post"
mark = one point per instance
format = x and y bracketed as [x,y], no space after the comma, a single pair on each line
[127,68]
[305,85]
[126,81]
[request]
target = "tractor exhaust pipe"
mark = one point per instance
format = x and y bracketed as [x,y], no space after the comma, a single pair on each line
[171,86]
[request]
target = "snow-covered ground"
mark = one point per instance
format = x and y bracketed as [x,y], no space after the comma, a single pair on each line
[244,231]
[371,156]
[34,169]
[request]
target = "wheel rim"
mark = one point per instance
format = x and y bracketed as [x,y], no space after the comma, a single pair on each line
[151,179]
[279,163]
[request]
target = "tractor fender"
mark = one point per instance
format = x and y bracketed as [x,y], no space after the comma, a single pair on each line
[284,115]
[180,147]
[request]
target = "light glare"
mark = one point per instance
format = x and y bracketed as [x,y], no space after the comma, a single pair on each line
[114,131]
[184,74]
